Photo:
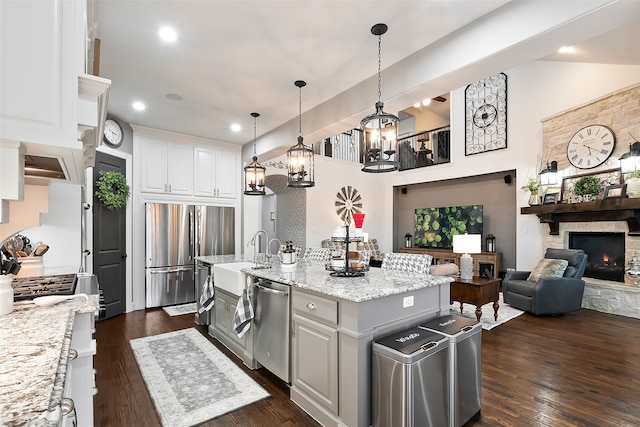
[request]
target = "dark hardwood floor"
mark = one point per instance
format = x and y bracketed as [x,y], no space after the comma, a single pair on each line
[123,399]
[581,369]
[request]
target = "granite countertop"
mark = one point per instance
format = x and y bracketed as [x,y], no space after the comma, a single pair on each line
[219,259]
[376,283]
[34,357]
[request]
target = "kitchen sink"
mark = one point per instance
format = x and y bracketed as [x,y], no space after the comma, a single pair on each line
[229,277]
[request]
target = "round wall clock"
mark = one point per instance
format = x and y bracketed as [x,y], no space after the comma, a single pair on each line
[113,134]
[591,146]
[348,202]
[486,115]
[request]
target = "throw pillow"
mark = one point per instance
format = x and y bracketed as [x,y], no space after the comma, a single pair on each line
[548,268]
[448,269]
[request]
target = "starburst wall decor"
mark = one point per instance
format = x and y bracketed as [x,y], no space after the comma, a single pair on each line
[348,202]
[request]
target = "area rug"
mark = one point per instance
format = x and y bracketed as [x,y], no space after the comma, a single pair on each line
[505,313]
[190,381]
[177,310]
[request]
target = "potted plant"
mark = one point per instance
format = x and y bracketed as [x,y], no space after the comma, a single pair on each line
[532,186]
[587,187]
[633,183]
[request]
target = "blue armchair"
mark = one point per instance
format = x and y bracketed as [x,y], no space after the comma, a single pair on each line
[548,295]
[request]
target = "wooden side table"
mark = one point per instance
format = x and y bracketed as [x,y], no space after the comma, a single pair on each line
[477,291]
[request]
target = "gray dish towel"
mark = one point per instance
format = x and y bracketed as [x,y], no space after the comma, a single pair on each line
[207,297]
[243,315]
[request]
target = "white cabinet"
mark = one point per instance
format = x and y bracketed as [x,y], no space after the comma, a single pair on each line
[11,171]
[80,381]
[47,102]
[205,161]
[215,173]
[188,170]
[42,56]
[167,167]
[180,169]
[154,166]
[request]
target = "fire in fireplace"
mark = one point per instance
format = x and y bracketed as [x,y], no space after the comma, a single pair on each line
[605,252]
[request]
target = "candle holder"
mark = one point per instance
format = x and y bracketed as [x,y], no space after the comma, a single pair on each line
[633,272]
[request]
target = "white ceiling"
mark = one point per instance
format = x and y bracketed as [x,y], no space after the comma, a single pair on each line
[238,56]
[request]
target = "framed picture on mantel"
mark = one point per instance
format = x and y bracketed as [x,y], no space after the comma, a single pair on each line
[607,177]
[615,191]
[550,198]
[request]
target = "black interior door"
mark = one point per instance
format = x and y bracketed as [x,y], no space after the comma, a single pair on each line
[109,242]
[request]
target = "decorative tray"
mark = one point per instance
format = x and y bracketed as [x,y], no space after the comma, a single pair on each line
[362,265]
[351,239]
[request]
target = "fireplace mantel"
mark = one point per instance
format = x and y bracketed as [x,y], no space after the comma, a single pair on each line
[612,209]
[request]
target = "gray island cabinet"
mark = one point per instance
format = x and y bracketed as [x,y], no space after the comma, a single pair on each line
[334,321]
[224,310]
[220,318]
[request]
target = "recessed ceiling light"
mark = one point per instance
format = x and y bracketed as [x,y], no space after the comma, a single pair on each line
[416,105]
[426,102]
[566,49]
[139,106]
[168,34]
[174,97]
[236,127]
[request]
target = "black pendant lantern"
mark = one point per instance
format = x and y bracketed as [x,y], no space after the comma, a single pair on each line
[630,161]
[254,172]
[380,130]
[300,157]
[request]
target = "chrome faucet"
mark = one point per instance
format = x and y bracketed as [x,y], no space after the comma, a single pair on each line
[269,255]
[259,257]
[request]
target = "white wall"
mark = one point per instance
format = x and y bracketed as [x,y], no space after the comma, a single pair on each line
[60,229]
[331,176]
[428,120]
[535,91]
[543,89]
[251,220]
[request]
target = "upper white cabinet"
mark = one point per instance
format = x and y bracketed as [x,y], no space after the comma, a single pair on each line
[167,167]
[42,57]
[48,103]
[180,169]
[175,164]
[215,173]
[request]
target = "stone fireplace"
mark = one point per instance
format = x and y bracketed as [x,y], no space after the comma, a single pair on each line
[620,111]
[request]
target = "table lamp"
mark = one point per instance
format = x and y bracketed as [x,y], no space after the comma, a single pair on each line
[467,244]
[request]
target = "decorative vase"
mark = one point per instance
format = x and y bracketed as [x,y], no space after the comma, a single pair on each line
[534,199]
[6,295]
[633,187]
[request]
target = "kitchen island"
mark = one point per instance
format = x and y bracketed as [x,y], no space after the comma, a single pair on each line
[34,360]
[334,322]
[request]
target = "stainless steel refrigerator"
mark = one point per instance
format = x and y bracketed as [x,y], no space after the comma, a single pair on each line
[175,235]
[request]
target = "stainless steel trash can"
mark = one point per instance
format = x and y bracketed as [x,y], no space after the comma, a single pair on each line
[465,364]
[410,386]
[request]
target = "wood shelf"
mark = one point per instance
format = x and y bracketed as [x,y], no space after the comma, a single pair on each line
[612,209]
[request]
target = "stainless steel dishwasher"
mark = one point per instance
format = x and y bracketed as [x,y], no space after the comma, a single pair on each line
[271,346]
